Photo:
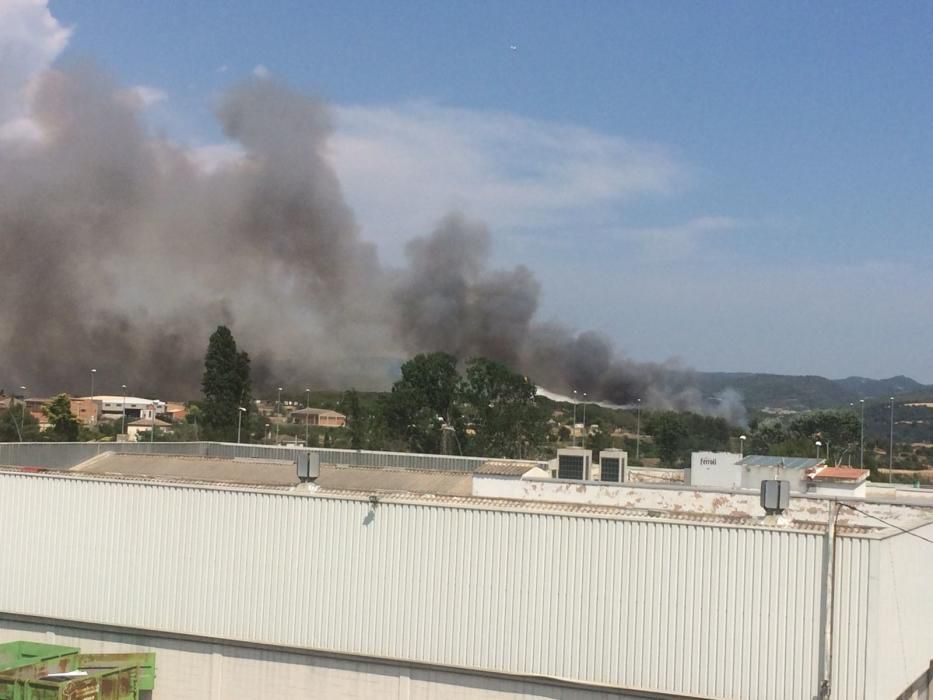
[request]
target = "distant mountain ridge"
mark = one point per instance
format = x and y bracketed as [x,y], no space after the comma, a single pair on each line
[806,392]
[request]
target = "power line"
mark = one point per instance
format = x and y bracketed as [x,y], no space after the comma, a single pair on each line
[881,520]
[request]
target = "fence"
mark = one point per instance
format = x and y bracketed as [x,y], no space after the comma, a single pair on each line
[64,455]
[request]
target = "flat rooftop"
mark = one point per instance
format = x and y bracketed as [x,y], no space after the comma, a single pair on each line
[879,515]
[274,474]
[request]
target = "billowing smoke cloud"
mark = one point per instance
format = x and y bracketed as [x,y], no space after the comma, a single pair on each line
[119,252]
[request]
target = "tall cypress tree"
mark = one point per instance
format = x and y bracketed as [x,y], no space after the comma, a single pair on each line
[225,385]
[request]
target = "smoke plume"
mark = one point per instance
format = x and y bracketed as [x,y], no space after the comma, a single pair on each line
[120,252]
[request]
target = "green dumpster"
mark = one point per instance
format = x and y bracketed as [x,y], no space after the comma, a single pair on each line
[31,671]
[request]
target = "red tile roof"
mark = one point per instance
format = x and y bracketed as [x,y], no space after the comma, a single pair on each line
[842,474]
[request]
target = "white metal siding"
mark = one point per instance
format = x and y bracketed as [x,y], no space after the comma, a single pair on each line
[904,605]
[197,670]
[709,610]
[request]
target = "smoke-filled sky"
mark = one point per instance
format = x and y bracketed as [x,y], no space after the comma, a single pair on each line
[745,189]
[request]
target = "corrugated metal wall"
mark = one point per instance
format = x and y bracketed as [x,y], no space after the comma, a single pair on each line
[904,610]
[63,455]
[717,611]
[200,670]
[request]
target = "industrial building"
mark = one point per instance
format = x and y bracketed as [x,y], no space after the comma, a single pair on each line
[425,576]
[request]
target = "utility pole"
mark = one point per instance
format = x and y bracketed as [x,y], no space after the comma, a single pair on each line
[584,420]
[861,449]
[826,656]
[307,414]
[638,431]
[891,447]
[573,433]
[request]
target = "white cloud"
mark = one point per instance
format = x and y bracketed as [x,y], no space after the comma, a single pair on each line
[404,166]
[261,71]
[30,40]
[680,240]
[144,96]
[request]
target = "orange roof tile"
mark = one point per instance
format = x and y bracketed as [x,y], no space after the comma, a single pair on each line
[842,474]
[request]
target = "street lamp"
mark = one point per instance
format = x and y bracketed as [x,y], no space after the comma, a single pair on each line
[152,427]
[22,416]
[891,447]
[123,431]
[573,433]
[861,447]
[239,422]
[818,446]
[742,446]
[307,413]
[93,372]
[584,420]
[448,428]
[278,404]
[638,431]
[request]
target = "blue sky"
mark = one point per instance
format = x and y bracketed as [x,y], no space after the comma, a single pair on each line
[746,186]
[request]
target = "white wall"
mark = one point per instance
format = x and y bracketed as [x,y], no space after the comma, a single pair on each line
[832,489]
[716,469]
[753,476]
[701,609]
[903,609]
[197,670]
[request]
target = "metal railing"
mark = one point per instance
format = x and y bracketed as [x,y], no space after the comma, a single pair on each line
[64,455]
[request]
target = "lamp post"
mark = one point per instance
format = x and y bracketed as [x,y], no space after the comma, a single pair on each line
[818,446]
[307,413]
[584,420]
[153,426]
[742,446]
[239,422]
[123,431]
[891,447]
[445,428]
[278,403]
[573,433]
[638,431]
[861,445]
[22,416]
[93,402]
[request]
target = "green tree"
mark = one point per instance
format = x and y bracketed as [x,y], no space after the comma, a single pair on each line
[225,385]
[670,435]
[500,405]
[64,425]
[599,441]
[15,423]
[356,423]
[837,430]
[423,399]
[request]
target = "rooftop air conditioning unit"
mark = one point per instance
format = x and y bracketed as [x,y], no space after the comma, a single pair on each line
[775,496]
[574,463]
[309,466]
[612,465]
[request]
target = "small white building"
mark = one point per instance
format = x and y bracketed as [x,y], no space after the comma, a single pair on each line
[727,470]
[839,482]
[144,425]
[718,469]
[134,406]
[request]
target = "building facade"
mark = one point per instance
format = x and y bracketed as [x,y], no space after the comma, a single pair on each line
[591,598]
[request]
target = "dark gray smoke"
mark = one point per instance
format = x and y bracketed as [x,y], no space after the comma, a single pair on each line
[119,252]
